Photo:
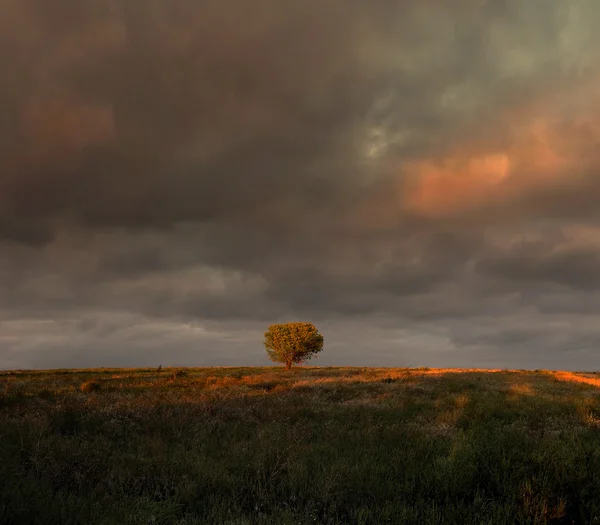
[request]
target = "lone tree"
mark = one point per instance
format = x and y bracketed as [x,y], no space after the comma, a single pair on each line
[292,343]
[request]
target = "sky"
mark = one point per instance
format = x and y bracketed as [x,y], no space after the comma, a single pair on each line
[419,179]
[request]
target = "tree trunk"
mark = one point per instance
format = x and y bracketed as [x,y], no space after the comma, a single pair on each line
[288,365]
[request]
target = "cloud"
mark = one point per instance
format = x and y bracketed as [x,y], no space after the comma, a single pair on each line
[406,174]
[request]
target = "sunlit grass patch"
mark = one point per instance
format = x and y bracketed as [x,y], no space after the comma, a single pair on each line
[521,389]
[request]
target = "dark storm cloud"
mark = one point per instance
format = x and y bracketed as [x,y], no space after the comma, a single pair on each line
[576,268]
[416,177]
[137,114]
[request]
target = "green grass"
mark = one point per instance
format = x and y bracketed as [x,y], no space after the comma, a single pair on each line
[312,445]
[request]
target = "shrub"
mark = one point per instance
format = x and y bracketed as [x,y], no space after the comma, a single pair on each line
[89,386]
[292,343]
[178,374]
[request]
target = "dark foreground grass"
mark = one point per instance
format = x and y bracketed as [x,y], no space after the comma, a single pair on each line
[327,446]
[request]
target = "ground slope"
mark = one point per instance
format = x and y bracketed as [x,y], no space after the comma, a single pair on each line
[313,445]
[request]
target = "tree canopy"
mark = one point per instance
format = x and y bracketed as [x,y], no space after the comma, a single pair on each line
[292,343]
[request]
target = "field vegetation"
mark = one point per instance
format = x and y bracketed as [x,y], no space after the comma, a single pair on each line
[310,445]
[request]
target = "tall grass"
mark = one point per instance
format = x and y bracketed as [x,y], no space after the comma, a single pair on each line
[312,445]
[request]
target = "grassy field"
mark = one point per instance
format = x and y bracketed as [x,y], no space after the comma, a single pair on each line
[312,445]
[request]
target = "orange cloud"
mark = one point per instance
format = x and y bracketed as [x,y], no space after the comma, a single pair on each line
[544,151]
[57,128]
[456,184]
